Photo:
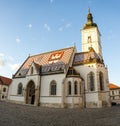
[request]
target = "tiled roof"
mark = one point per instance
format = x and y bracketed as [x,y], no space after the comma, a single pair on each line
[43,59]
[113,86]
[51,68]
[5,80]
[86,57]
[47,59]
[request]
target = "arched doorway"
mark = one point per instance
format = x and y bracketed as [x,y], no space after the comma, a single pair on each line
[30,99]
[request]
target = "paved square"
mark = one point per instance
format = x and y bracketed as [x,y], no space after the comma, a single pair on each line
[24,115]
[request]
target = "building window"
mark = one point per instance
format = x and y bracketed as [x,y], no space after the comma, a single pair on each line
[53,87]
[75,88]
[3,96]
[91,82]
[89,39]
[69,88]
[20,87]
[112,92]
[4,89]
[101,80]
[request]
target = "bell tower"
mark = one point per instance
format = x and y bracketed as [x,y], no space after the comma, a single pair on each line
[91,36]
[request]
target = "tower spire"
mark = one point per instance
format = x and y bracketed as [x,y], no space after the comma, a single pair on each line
[90,22]
[89,17]
[88,10]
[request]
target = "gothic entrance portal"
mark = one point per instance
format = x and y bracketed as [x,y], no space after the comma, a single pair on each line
[30,99]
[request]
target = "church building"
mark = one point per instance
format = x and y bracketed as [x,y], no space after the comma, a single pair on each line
[65,78]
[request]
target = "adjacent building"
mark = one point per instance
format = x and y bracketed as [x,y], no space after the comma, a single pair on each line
[65,77]
[114,93]
[4,87]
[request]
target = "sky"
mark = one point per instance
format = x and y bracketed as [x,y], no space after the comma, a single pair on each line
[29,27]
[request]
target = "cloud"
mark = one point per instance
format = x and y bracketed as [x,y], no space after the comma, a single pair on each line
[47,27]
[1,55]
[18,40]
[14,67]
[10,58]
[29,26]
[51,1]
[68,25]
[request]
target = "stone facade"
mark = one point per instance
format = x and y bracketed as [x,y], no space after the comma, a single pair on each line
[114,93]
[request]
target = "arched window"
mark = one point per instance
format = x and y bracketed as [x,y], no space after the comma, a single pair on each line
[53,87]
[91,81]
[75,88]
[89,39]
[20,86]
[3,96]
[69,88]
[101,80]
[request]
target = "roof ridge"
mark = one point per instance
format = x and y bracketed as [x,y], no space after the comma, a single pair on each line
[5,77]
[53,51]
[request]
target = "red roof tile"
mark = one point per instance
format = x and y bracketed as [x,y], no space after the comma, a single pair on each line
[62,56]
[5,80]
[45,58]
[113,86]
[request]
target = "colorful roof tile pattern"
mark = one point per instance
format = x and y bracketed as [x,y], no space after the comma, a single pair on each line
[5,80]
[43,59]
[113,86]
[48,59]
[86,57]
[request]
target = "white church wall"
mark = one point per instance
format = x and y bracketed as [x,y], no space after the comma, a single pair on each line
[13,89]
[84,70]
[74,100]
[49,99]
[16,98]
[45,96]
[14,86]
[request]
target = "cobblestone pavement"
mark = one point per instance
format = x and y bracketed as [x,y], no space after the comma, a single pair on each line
[23,115]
